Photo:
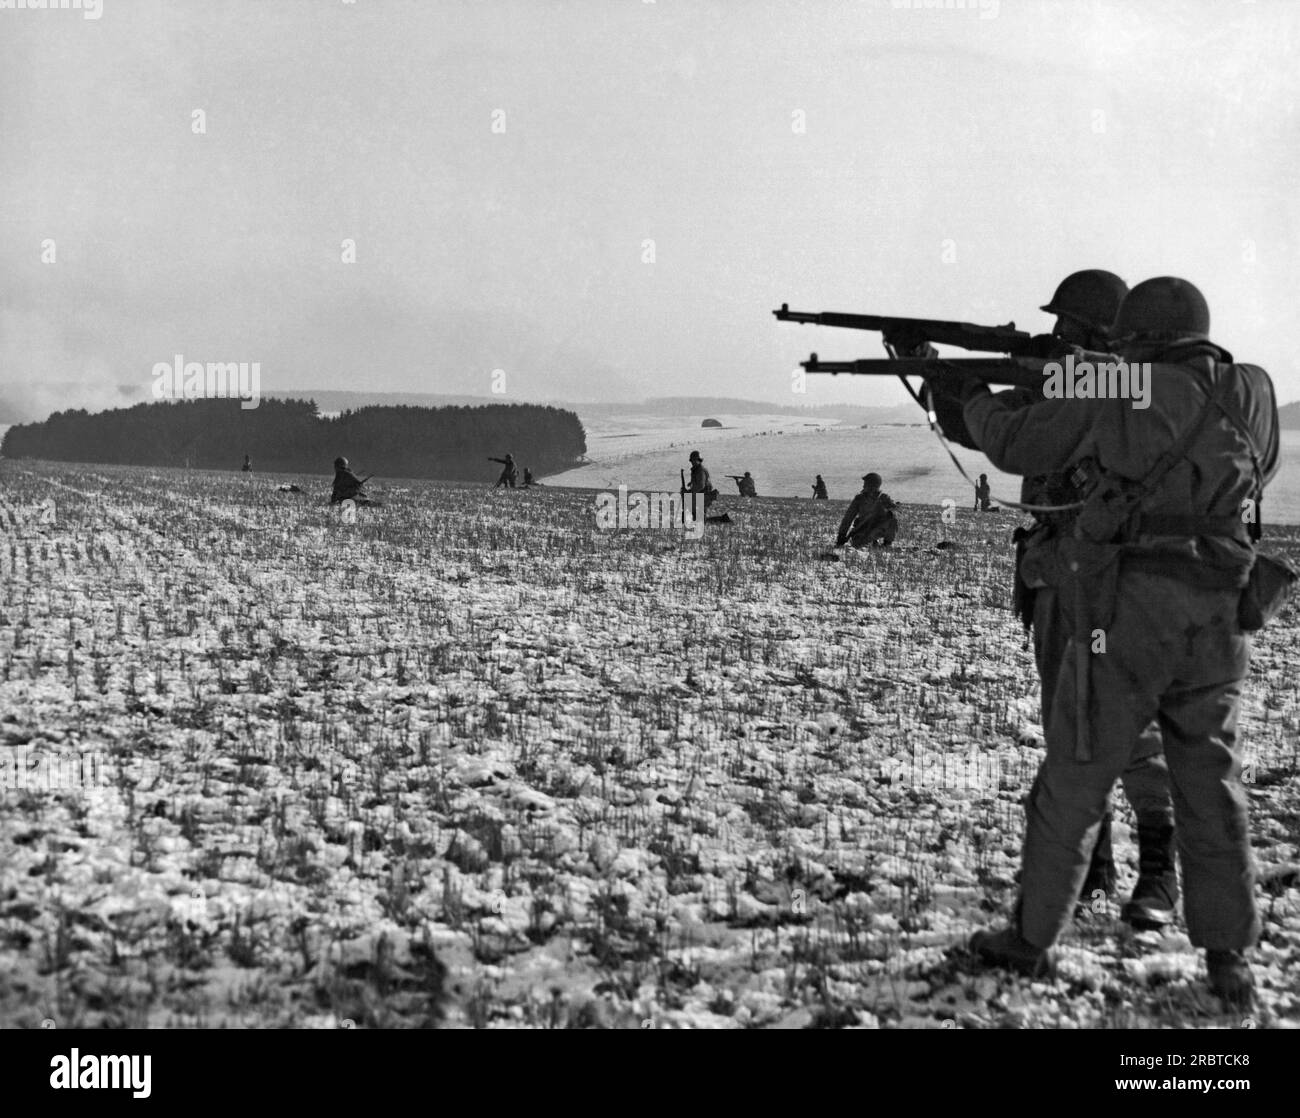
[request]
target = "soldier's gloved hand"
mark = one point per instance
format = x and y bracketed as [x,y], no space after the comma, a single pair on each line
[1046,346]
[948,414]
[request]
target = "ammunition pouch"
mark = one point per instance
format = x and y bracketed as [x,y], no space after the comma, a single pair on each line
[1089,584]
[1272,579]
[1107,516]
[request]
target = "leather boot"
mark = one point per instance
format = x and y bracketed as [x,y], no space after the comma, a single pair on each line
[1230,978]
[1156,893]
[1006,947]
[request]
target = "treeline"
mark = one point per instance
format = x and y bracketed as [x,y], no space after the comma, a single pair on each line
[288,436]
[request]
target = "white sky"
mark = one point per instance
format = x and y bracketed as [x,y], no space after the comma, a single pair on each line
[1145,137]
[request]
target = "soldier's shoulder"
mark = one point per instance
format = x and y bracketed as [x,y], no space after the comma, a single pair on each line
[1256,374]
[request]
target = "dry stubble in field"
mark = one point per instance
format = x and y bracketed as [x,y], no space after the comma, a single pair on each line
[471,761]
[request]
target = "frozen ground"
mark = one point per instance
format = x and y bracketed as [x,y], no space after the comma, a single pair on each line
[471,761]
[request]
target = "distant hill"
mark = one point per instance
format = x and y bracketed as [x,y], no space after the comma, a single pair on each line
[691,407]
[329,400]
[1289,416]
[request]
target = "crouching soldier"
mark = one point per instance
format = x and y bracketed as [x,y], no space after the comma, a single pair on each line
[347,486]
[819,489]
[870,518]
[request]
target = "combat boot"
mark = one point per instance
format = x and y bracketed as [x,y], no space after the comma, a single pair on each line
[1008,948]
[1156,893]
[1230,978]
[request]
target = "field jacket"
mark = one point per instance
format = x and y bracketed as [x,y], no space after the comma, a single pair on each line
[1211,485]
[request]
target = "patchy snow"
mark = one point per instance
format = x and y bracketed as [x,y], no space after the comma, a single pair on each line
[471,761]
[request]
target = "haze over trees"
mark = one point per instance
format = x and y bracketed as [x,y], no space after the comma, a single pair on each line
[451,443]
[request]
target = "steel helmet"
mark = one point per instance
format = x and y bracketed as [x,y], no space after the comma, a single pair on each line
[873,479]
[695,456]
[340,463]
[1091,297]
[1164,308]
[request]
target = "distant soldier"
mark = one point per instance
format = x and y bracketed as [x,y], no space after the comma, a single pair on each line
[509,474]
[819,489]
[528,478]
[248,465]
[745,484]
[983,494]
[700,482]
[870,518]
[347,486]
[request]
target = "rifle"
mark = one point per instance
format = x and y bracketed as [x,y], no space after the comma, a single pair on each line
[907,333]
[991,370]
[684,500]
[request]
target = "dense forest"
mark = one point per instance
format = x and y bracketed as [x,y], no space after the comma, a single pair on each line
[452,443]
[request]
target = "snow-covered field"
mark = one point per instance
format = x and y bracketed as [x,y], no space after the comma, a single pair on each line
[785,454]
[471,761]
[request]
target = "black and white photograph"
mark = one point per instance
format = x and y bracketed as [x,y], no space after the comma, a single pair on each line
[650,515]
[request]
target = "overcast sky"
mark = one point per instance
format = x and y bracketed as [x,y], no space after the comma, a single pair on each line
[844,156]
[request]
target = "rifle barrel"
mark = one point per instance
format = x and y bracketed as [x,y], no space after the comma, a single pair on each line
[990,370]
[913,331]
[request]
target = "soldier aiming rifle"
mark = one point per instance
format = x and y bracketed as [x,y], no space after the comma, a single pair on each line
[1158,557]
[745,484]
[1085,304]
